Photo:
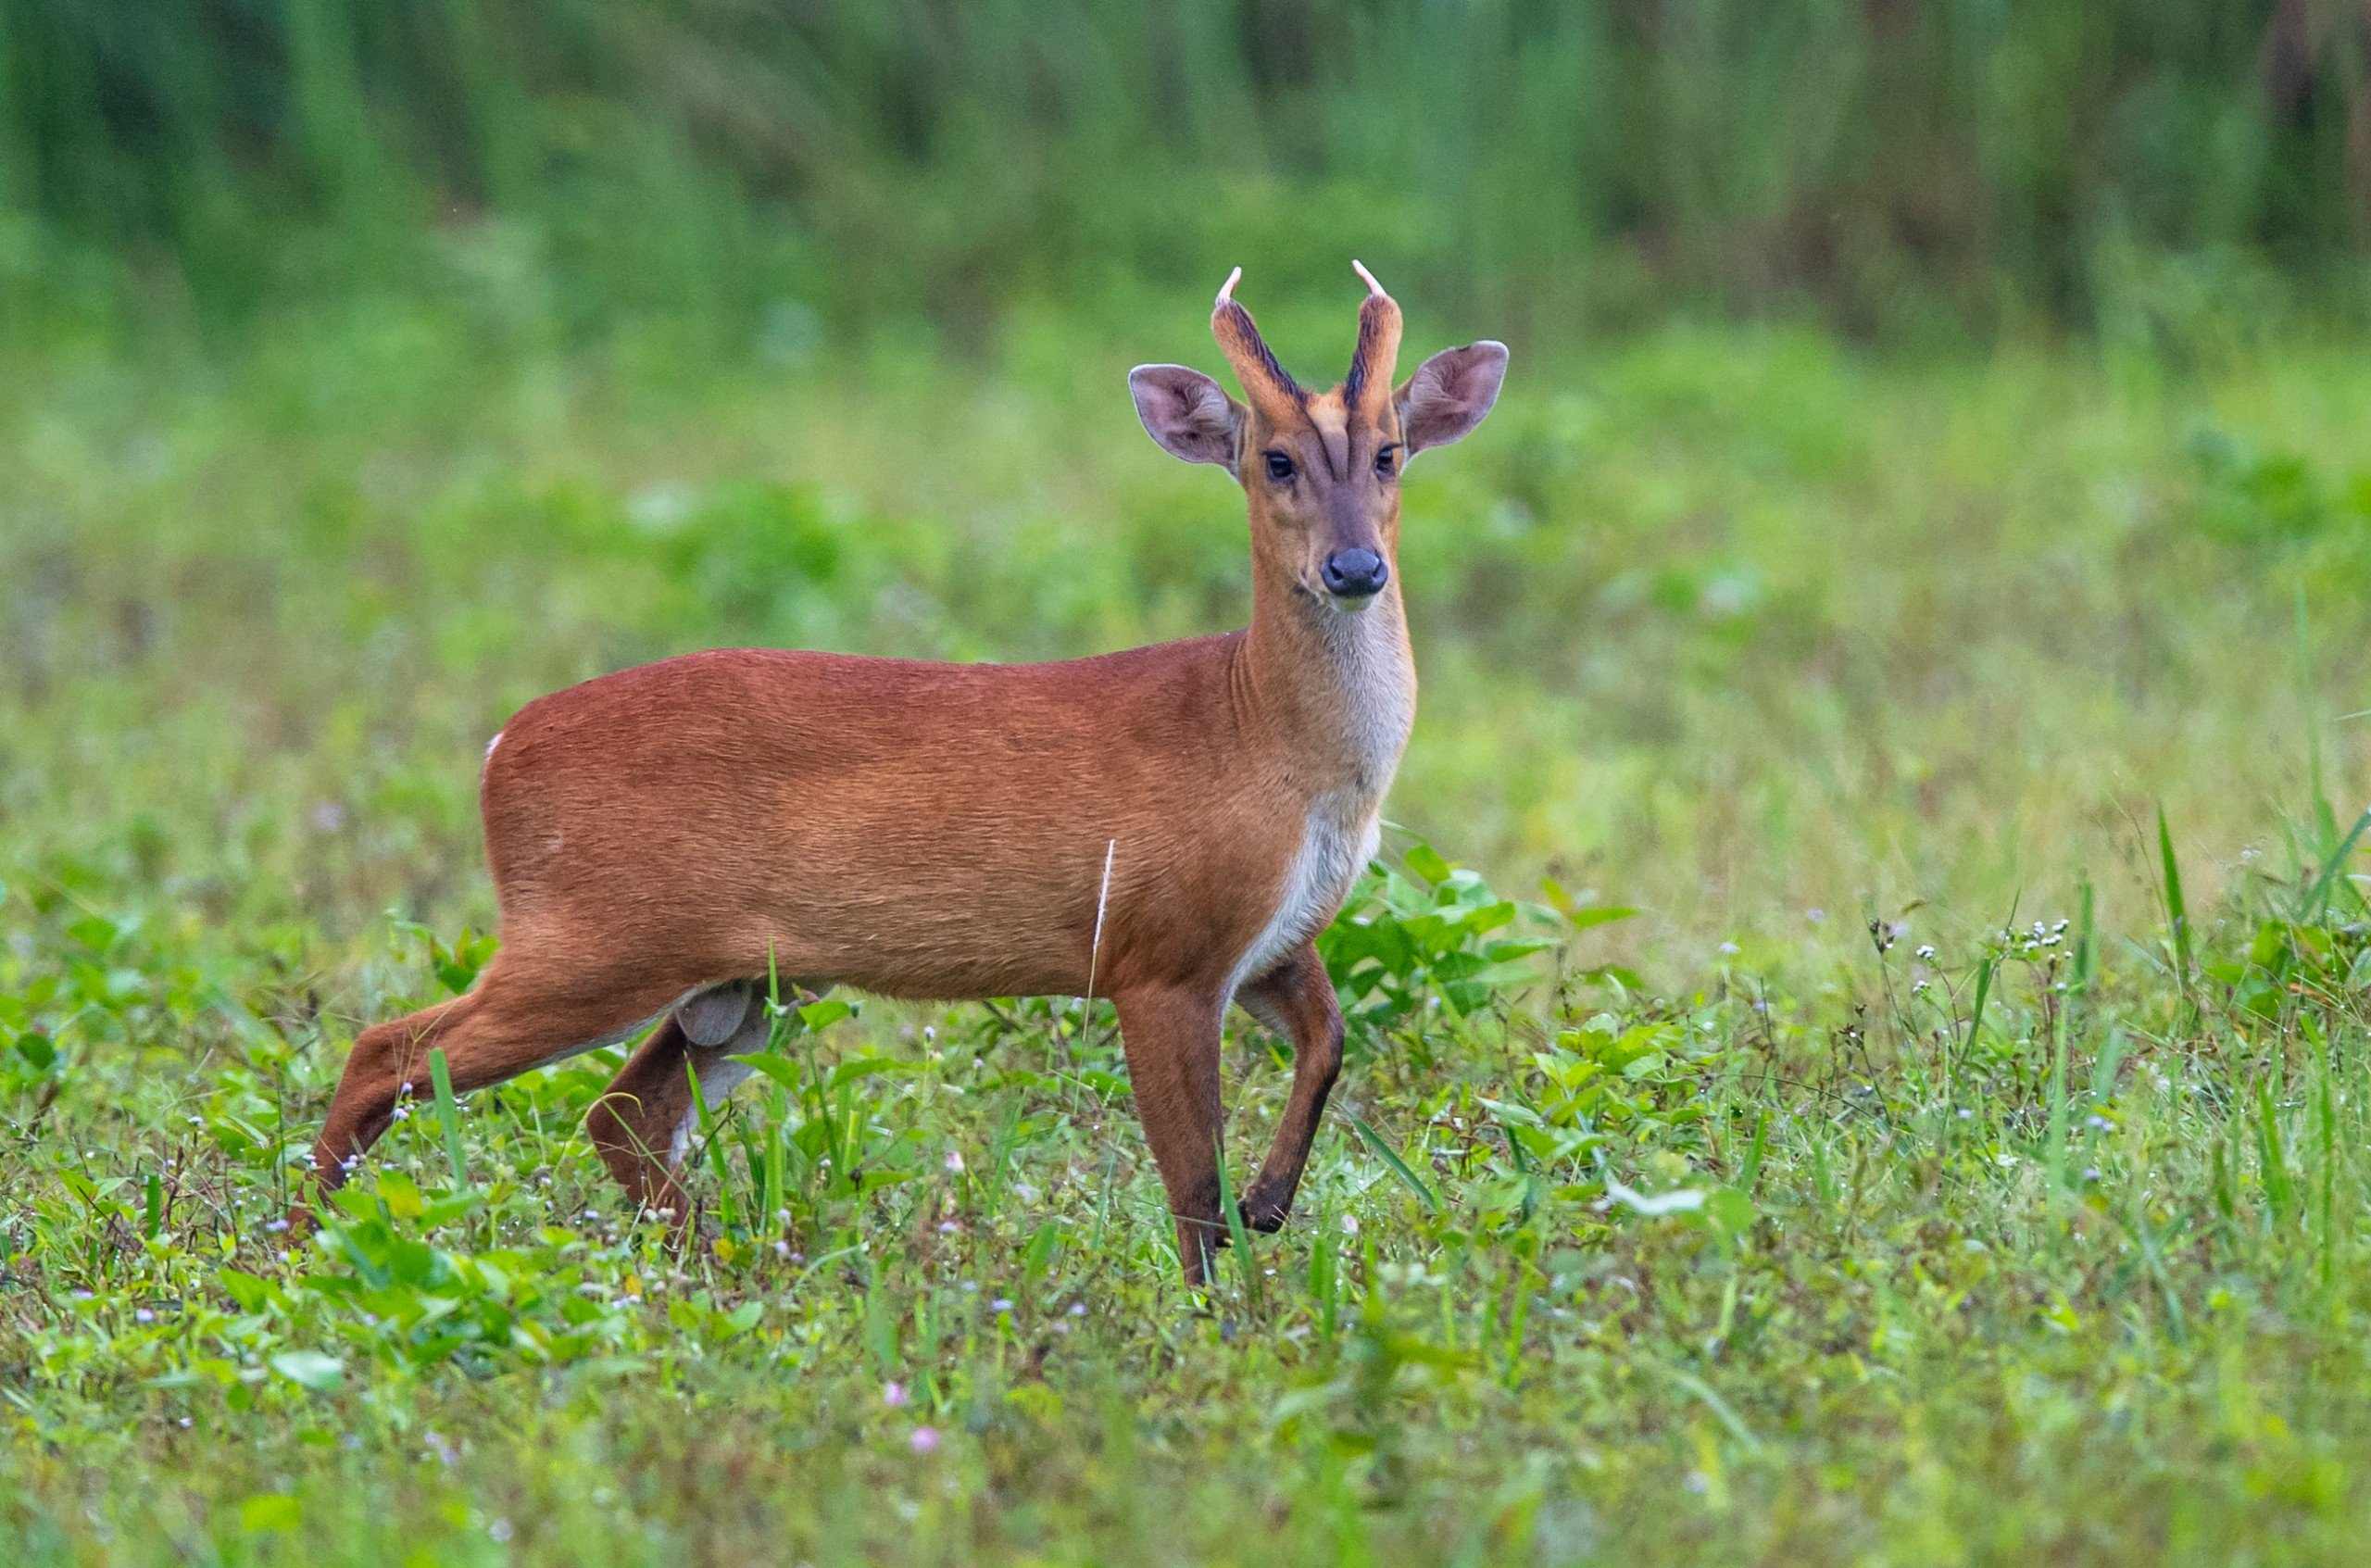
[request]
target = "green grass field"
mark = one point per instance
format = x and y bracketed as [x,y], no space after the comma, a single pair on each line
[1906,1099]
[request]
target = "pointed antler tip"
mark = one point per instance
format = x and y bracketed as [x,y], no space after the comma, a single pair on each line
[1360,269]
[1226,290]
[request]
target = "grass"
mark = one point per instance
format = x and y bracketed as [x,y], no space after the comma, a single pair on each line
[1945,167]
[1917,1118]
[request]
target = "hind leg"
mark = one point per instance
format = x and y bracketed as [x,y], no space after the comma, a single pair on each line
[517,1019]
[643,1123]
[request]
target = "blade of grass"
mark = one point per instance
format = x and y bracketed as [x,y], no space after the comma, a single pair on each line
[2326,1117]
[1750,1172]
[1524,1169]
[1984,967]
[1324,1271]
[713,1147]
[2325,822]
[2057,1151]
[2277,1189]
[1239,1234]
[2087,956]
[439,1073]
[1398,1167]
[2177,911]
[2317,897]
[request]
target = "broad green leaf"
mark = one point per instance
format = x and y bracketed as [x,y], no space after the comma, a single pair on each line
[269,1510]
[310,1369]
[1685,1201]
[1731,1210]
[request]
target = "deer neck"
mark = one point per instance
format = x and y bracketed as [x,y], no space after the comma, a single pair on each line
[1336,689]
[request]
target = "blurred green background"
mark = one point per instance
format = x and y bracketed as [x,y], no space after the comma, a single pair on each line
[760,170]
[1935,432]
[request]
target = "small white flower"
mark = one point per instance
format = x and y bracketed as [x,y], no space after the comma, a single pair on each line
[954,1160]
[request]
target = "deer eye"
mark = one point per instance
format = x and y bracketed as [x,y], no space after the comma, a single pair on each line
[1387,459]
[1280,468]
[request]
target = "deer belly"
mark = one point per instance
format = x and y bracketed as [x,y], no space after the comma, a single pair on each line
[1340,837]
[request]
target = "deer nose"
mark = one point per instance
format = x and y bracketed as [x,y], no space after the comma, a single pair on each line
[1355,574]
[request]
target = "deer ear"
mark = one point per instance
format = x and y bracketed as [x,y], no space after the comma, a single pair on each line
[1187,412]
[1448,394]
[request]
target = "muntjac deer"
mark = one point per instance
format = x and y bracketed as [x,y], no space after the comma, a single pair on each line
[1168,827]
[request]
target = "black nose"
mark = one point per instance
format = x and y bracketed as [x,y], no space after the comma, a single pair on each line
[1355,574]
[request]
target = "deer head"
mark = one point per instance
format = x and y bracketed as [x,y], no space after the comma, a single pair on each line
[1320,470]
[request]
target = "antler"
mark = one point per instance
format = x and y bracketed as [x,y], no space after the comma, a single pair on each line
[1368,386]
[1272,392]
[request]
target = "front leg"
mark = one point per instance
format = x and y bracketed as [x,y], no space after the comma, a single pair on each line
[1171,1039]
[1296,999]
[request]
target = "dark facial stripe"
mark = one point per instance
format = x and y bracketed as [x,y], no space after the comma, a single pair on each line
[1239,322]
[1370,326]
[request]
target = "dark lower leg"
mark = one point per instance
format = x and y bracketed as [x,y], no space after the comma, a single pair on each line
[1172,1040]
[388,1061]
[1297,997]
[633,1125]
[643,1124]
[517,1019]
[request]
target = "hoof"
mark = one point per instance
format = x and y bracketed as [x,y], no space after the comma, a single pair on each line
[1264,1215]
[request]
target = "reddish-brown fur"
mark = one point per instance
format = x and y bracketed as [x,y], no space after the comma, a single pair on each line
[939,831]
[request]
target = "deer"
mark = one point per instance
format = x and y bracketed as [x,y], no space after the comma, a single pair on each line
[1167,828]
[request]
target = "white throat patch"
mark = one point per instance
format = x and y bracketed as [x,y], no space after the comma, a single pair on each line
[1339,838]
[1344,825]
